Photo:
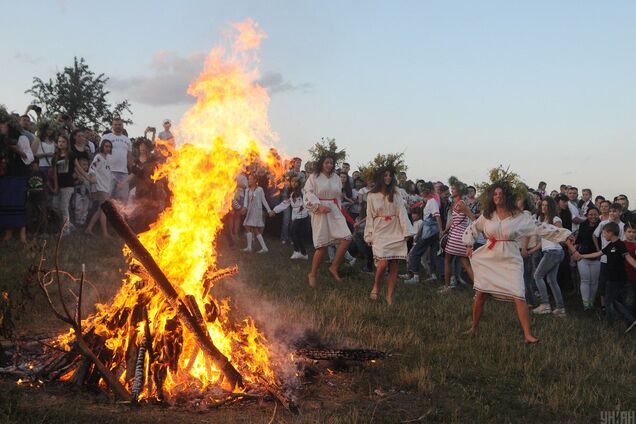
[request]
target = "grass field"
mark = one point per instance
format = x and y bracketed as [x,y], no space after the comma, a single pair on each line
[436,374]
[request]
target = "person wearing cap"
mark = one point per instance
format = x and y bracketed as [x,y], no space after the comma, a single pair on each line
[166,134]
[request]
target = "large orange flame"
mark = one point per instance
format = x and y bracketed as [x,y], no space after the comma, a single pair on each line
[227,127]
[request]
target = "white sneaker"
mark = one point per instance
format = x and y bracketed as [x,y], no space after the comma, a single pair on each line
[559,312]
[404,276]
[263,251]
[414,280]
[542,309]
[453,282]
[301,256]
[433,277]
[444,289]
[295,255]
[352,262]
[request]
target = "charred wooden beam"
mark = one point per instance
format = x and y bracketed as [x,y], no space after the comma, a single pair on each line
[326,354]
[145,258]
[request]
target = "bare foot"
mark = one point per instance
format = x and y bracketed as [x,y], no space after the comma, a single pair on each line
[334,274]
[312,280]
[88,233]
[374,295]
[471,331]
[531,340]
[108,236]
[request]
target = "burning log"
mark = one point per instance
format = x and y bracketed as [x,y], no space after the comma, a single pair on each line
[138,381]
[189,321]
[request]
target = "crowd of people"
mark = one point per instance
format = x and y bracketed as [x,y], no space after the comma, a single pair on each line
[54,174]
[508,241]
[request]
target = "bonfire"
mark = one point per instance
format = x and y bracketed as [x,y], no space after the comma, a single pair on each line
[165,337]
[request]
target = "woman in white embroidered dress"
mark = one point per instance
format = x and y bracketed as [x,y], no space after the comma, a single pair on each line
[387,229]
[322,194]
[498,266]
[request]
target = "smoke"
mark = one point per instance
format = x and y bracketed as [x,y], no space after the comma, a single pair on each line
[283,330]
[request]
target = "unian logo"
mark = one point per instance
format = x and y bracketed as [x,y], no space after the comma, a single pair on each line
[618,417]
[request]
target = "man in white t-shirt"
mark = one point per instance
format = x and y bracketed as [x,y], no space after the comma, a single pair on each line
[120,159]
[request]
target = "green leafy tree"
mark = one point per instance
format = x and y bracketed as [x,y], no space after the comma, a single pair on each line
[80,94]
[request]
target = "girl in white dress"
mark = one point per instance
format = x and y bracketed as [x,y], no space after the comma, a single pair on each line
[498,266]
[387,229]
[253,205]
[322,195]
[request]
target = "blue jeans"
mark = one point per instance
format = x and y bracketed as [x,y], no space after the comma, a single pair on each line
[530,265]
[415,256]
[613,307]
[549,267]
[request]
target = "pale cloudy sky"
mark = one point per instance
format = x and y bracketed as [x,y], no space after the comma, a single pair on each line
[547,87]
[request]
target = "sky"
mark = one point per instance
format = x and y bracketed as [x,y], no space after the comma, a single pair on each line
[547,88]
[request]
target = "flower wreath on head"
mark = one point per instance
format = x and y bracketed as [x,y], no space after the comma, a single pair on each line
[505,177]
[393,162]
[327,148]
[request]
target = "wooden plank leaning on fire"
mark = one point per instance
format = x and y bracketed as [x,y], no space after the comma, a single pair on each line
[189,321]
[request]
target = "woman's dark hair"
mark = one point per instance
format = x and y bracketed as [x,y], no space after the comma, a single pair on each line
[428,187]
[379,183]
[410,187]
[346,188]
[43,128]
[101,145]
[509,199]
[528,203]
[297,191]
[321,161]
[592,208]
[552,211]
[14,130]
[74,137]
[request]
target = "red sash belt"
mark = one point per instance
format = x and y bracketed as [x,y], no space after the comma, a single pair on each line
[492,241]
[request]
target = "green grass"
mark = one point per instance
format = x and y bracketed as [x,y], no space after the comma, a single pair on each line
[580,368]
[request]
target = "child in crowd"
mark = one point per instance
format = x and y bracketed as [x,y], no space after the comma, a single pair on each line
[299,217]
[102,178]
[613,215]
[253,205]
[617,257]
[81,201]
[63,181]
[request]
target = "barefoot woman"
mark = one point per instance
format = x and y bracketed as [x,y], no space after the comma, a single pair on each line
[387,229]
[498,266]
[322,194]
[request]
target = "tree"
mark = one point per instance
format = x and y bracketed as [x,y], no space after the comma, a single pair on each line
[79,93]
